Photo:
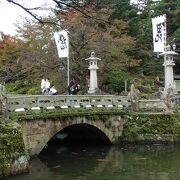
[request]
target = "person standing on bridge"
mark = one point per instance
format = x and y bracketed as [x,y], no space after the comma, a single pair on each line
[47,87]
[76,88]
[73,88]
[43,84]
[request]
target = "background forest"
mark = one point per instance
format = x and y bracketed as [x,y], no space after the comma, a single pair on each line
[116,31]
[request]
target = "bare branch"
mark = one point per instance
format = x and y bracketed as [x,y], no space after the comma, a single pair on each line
[35,16]
[59,3]
[71,6]
[26,9]
[79,8]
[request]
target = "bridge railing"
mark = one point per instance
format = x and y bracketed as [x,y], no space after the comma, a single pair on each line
[41,102]
[177,99]
[152,105]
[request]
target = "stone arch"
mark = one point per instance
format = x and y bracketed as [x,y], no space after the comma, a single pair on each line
[96,125]
[90,130]
[37,133]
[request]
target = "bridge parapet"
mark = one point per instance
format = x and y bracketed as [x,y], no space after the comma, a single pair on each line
[152,105]
[41,102]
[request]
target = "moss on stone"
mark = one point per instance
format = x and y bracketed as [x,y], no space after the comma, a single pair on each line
[64,113]
[152,127]
[11,145]
[138,126]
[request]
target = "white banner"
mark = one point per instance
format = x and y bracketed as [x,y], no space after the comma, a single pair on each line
[62,43]
[159,33]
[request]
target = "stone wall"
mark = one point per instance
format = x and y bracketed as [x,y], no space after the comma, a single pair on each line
[162,128]
[13,156]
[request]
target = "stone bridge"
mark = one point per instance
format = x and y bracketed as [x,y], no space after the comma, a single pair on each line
[38,130]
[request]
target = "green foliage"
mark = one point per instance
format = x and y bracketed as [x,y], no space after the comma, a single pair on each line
[19,87]
[121,37]
[177,35]
[123,10]
[145,96]
[115,81]
[11,144]
[34,91]
[100,114]
[178,108]
[150,124]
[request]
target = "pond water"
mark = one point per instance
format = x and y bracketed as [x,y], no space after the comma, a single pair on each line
[99,162]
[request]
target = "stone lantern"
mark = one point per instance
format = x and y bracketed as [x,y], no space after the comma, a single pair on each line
[81,2]
[168,67]
[93,84]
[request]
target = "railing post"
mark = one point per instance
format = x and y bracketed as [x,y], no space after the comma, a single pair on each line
[3,103]
[134,96]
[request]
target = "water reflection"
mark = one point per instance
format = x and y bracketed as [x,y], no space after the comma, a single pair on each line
[76,161]
[106,162]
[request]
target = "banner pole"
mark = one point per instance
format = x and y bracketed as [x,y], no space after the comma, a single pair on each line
[165,34]
[68,70]
[165,45]
[68,60]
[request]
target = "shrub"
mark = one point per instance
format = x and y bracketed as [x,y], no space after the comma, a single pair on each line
[178,108]
[115,81]
[34,91]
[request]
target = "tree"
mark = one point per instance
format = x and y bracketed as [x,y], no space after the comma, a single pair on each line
[41,46]
[109,41]
[115,81]
[15,64]
[92,29]
[115,30]
[172,11]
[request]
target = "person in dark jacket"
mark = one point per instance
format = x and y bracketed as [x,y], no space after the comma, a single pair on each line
[73,88]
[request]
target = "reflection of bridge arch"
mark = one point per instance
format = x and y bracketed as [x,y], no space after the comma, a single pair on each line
[112,159]
[106,160]
[37,133]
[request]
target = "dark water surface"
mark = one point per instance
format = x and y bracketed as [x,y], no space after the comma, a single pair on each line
[144,162]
